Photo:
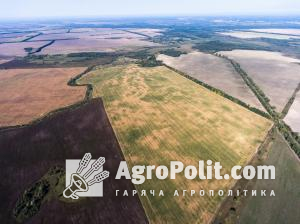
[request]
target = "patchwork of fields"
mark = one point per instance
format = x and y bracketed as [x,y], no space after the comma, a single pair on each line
[94,45]
[137,110]
[27,94]
[293,116]
[31,151]
[277,75]
[77,40]
[18,48]
[159,116]
[15,37]
[214,71]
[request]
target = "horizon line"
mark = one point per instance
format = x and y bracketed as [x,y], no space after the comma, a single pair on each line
[148,16]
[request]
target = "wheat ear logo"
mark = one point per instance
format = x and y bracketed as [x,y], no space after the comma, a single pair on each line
[84,185]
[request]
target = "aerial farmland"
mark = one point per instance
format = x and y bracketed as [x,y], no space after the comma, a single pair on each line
[19,48]
[92,40]
[278,75]
[214,71]
[29,94]
[145,111]
[254,35]
[293,116]
[148,91]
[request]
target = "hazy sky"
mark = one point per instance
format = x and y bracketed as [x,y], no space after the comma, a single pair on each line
[70,8]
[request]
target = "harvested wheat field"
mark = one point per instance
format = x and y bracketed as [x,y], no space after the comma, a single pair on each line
[277,75]
[92,40]
[159,116]
[94,45]
[293,116]
[214,71]
[89,33]
[295,32]
[18,49]
[27,94]
[252,35]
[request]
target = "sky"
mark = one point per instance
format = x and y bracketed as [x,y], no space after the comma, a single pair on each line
[99,8]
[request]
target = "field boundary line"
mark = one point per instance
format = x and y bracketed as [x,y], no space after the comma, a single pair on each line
[31,37]
[275,116]
[220,93]
[89,97]
[265,143]
[49,114]
[42,47]
[288,105]
[89,87]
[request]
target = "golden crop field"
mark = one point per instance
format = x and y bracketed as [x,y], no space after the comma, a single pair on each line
[28,94]
[159,116]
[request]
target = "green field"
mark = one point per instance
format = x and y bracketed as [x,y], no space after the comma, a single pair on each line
[159,116]
[284,207]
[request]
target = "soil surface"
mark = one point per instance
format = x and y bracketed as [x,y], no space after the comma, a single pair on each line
[28,152]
